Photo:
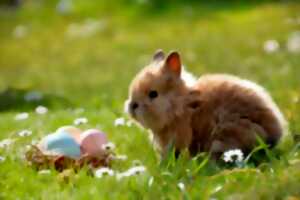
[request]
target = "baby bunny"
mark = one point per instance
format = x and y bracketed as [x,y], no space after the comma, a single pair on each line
[214,114]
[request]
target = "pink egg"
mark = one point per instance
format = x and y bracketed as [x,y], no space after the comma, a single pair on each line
[73,131]
[91,142]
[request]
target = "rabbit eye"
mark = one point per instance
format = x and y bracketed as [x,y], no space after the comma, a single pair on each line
[153,94]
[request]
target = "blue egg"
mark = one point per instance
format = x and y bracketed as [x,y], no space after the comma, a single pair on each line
[62,143]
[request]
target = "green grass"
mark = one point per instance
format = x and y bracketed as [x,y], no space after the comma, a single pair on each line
[94,73]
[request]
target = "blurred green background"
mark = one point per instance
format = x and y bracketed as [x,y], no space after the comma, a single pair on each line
[83,54]
[82,49]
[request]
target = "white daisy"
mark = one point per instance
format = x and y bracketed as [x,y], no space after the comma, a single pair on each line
[181,186]
[24,133]
[137,170]
[5,143]
[21,116]
[235,155]
[131,172]
[119,121]
[81,120]
[271,46]
[41,110]
[99,173]
[108,146]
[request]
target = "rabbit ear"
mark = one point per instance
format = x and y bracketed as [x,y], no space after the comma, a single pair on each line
[159,55]
[173,63]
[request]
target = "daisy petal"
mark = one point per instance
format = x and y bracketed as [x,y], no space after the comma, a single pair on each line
[41,110]
[25,133]
[81,120]
[99,173]
[119,122]
[21,116]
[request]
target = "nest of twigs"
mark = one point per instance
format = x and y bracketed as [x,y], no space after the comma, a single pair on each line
[40,160]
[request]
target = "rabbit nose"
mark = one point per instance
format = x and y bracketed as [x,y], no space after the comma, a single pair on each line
[134,105]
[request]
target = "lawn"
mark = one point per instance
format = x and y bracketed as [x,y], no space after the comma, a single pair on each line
[81,59]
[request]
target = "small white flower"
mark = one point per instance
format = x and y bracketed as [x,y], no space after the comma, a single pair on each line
[108,146]
[25,133]
[120,121]
[81,120]
[21,116]
[44,172]
[20,31]
[41,110]
[293,43]
[150,182]
[271,46]
[2,159]
[181,186]
[5,143]
[235,155]
[99,173]
[33,96]
[131,172]
[136,170]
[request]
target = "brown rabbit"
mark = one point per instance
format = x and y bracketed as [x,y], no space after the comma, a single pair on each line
[215,114]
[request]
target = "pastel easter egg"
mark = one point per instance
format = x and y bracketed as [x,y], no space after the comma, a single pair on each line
[60,143]
[73,131]
[91,142]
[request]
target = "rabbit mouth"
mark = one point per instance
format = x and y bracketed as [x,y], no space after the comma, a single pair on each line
[149,121]
[141,114]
